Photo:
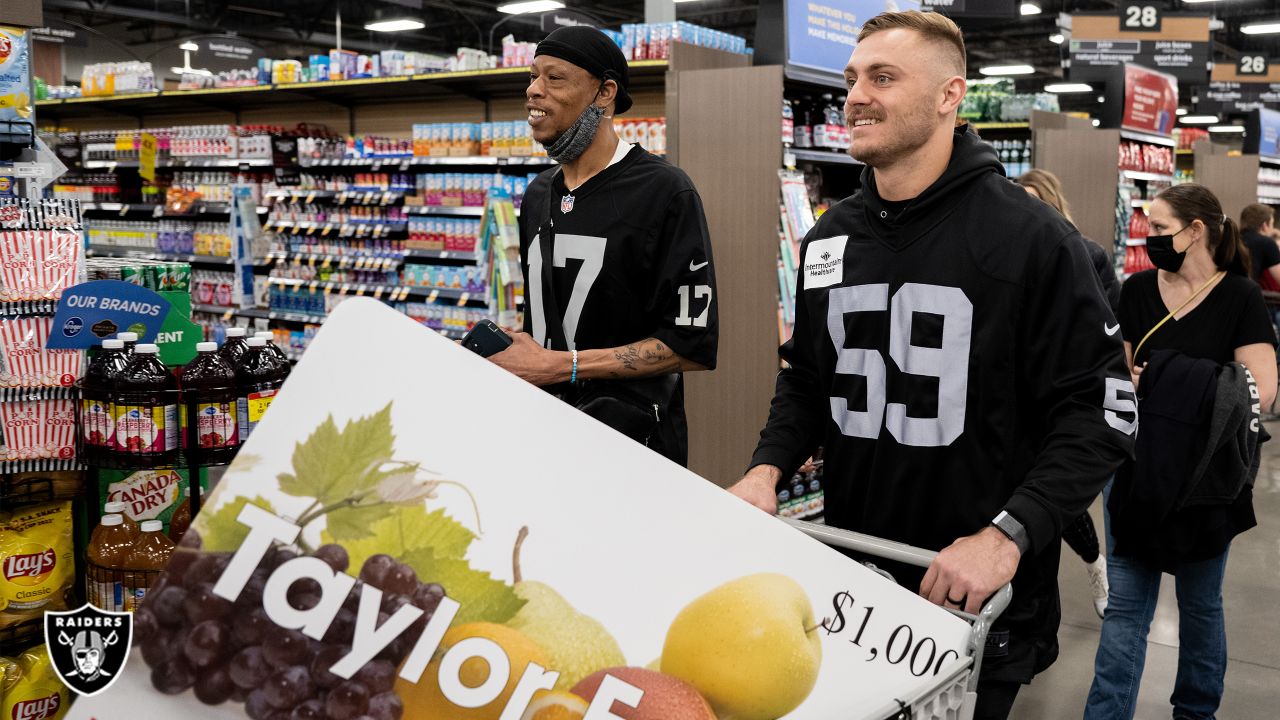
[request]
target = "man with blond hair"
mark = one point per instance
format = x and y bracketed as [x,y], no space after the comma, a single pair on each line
[951,354]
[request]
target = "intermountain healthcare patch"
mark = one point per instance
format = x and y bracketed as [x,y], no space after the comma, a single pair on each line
[88,646]
[824,262]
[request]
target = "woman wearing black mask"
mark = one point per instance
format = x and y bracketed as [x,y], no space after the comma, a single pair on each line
[1200,303]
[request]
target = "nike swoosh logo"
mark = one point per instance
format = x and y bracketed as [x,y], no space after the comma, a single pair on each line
[695,268]
[1111,329]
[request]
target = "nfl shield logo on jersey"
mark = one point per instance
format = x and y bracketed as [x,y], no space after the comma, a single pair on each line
[88,647]
[566,204]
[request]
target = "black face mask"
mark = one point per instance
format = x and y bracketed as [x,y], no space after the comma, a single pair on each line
[1160,250]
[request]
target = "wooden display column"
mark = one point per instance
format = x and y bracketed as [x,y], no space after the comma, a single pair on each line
[723,130]
[23,13]
[1233,178]
[1085,159]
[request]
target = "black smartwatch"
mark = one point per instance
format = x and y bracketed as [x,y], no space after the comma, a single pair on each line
[1013,530]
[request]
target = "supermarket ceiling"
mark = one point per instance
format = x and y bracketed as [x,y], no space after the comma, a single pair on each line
[288,28]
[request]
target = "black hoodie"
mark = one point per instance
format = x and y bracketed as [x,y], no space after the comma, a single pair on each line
[955,361]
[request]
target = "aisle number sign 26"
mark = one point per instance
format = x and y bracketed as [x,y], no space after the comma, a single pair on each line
[1140,17]
[1253,65]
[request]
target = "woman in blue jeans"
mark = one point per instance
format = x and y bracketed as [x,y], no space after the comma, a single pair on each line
[1201,303]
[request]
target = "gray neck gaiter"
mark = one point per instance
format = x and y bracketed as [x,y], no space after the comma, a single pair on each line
[570,146]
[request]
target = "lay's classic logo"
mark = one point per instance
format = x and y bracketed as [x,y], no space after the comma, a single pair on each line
[6,47]
[38,709]
[30,568]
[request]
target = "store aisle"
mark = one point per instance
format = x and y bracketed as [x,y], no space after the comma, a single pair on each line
[1253,582]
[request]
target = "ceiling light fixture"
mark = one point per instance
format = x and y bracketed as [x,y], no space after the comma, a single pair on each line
[1057,38]
[992,70]
[1096,122]
[1181,111]
[1197,2]
[1068,88]
[1268,27]
[396,25]
[1198,119]
[531,6]
[189,46]
[1227,129]
[1030,9]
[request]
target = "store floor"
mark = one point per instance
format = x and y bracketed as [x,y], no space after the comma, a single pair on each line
[1252,584]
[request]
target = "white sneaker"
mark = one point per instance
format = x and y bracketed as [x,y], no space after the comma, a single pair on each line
[1098,584]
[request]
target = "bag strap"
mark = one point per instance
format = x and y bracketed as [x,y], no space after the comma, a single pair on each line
[1175,311]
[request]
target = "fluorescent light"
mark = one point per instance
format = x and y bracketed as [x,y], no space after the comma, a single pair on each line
[1096,122]
[1057,38]
[1268,27]
[189,46]
[1030,9]
[1227,129]
[682,1]
[1102,98]
[1068,88]
[1007,70]
[397,25]
[1198,119]
[1195,2]
[530,6]
[1181,111]
[190,71]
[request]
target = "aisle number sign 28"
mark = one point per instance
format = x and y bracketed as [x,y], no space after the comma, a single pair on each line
[1140,17]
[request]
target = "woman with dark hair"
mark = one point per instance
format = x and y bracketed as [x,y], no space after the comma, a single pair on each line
[1081,535]
[1201,304]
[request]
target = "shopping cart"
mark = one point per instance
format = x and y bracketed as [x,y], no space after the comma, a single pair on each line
[951,695]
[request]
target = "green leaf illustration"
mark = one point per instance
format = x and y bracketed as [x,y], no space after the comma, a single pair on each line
[347,524]
[333,465]
[483,599]
[220,531]
[434,545]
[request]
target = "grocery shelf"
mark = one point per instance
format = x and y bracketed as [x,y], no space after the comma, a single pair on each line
[359,262]
[126,253]
[1148,138]
[1185,152]
[294,195]
[980,126]
[404,162]
[1269,160]
[258,313]
[394,292]
[179,163]
[1154,177]
[464,211]
[823,156]
[347,93]
[151,208]
[340,229]
[432,256]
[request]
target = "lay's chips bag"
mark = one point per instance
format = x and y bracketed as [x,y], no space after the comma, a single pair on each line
[37,567]
[30,689]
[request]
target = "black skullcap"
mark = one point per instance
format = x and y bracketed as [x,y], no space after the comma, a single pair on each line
[593,51]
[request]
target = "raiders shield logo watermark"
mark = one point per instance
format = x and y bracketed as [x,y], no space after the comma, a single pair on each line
[88,647]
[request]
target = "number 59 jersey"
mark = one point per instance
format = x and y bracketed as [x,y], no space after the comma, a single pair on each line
[953,363]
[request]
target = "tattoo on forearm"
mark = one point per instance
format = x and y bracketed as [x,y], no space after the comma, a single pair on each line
[657,354]
[628,356]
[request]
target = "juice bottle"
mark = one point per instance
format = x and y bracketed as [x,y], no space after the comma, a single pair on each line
[146,409]
[271,346]
[148,555]
[97,426]
[209,391]
[130,340]
[108,547]
[181,518]
[118,508]
[234,346]
[258,378]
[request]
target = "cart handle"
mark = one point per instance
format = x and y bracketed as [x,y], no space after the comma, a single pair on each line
[911,555]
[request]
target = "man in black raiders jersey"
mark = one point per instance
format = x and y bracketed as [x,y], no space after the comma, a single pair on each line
[951,354]
[614,247]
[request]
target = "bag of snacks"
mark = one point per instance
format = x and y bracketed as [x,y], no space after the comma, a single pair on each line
[37,567]
[30,689]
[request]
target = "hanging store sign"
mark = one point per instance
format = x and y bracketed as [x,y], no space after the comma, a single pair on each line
[1233,91]
[974,8]
[1150,100]
[1176,44]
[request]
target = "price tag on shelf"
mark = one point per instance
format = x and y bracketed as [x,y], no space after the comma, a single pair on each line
[157,211]
[376,166]
[346,288]
[386,198]
[464,298]
[297,228]
[328,228]
[311,197]
[311,261]
[359,291]
[328,261]
[226,317]
[124,210]
[342,197]
[147,156]
[404,166]
[315,285]
[377,293]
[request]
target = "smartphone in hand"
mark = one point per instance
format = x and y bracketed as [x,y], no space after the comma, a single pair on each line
[486,338]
